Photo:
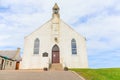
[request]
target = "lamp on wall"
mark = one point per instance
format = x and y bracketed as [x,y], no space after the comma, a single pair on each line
[56,39]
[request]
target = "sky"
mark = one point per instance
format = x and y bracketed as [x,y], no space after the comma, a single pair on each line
[97,20]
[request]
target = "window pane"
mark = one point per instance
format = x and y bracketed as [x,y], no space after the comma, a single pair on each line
[73,46]
[36,46]
[74,51]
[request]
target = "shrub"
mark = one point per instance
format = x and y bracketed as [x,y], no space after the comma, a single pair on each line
[45,69]
[65,68]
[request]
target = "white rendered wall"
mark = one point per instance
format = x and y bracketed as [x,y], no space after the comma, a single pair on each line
[72,61]
[44,33]
[30,60]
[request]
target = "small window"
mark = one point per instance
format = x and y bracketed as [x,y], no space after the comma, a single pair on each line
[7,62]
[10,63]
[73,46]
[36,46]
[45,54]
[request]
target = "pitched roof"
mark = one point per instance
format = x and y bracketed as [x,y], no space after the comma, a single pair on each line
[11,54]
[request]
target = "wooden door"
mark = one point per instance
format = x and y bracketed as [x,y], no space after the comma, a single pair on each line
[55,57]
[17,65]
[55,54]
[2,66]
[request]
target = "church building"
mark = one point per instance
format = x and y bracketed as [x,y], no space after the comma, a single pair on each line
[54,43]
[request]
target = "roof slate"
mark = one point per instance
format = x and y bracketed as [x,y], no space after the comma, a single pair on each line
[11,54]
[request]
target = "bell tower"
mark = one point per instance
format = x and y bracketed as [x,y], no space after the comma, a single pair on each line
[55,24]
[56,11]
[55,8]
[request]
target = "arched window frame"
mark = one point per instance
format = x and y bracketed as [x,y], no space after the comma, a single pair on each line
[73,47]
[55,48]
[36,46]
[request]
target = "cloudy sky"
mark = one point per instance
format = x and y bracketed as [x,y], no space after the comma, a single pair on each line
[97,20]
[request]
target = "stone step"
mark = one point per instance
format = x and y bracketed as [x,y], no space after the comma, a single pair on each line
[56,66]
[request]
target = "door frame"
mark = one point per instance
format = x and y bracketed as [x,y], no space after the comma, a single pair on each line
[55,48]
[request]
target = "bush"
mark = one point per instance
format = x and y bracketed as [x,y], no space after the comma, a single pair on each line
[65,68]
[45,69]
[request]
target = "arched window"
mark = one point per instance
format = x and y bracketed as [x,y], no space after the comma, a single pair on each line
[73,46]
[36,46]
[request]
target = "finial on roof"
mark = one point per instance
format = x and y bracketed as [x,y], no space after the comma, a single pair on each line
[55,7]
[55,11]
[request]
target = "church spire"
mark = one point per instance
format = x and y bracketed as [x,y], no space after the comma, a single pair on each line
[55,7]
[55,10]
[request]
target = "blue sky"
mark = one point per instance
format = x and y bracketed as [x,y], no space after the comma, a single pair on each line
[97,20]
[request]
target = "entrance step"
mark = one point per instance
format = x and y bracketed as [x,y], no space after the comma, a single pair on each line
[56,66]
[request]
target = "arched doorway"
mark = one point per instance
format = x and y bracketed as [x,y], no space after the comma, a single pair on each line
[55,54]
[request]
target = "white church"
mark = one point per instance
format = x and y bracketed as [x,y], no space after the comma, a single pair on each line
[54,43]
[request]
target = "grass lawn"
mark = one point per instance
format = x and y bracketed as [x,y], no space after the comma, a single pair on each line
[99,74]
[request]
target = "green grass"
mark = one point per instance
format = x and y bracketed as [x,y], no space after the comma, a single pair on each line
[99,74]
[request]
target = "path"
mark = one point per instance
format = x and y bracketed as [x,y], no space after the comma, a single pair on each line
[37,75]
